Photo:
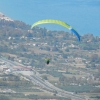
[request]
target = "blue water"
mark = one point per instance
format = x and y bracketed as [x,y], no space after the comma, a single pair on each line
[83,15]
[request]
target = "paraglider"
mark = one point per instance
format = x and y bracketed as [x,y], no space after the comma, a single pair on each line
[59,23]
[47,60]
[64,24]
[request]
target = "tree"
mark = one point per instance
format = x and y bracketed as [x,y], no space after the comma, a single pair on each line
[67,50]
[2,97]
[87,66]
[74,79]
[47,48]
[94,57]
[64,55]
[93,65]
[62,78]
[54,49]
[45,77]
[32,96]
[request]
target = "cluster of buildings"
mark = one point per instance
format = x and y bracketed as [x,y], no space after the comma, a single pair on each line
[7,91]
[3,17]
[7,68]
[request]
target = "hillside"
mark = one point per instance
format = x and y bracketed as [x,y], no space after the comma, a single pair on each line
[73,63]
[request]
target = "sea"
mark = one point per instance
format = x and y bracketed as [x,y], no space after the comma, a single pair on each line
[82,15]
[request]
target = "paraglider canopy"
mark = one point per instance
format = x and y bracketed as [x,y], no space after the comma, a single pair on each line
[64,24]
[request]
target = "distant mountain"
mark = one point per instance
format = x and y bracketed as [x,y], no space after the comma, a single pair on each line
[3,17]
[8,23]
[18,29]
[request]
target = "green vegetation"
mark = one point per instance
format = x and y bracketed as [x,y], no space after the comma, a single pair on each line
[74,65]
[79,89]
[2,97]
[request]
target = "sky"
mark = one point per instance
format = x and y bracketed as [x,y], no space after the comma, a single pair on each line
[83,15]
